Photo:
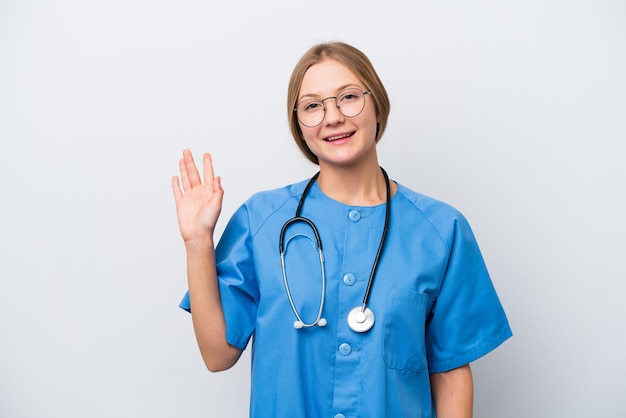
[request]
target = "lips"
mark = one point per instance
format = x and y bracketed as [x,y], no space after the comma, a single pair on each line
[338,137]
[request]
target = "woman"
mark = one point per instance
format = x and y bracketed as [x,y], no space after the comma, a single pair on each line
[365,299]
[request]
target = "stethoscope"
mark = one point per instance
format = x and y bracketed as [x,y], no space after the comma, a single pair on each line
[361,318]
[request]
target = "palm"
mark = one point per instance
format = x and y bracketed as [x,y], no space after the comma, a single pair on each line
[198,202]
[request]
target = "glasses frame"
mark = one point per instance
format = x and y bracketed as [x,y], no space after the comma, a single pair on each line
[364,93]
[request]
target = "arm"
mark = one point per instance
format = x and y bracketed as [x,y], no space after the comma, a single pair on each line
[453,393]
[198,207]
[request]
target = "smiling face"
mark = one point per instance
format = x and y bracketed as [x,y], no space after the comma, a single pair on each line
[338,140]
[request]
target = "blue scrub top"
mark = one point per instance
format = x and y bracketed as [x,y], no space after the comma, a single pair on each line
[435,305]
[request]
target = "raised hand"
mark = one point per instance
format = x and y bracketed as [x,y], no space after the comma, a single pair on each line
[199,201]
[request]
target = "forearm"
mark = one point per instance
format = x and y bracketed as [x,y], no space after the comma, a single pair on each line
[453,393]
[206,309]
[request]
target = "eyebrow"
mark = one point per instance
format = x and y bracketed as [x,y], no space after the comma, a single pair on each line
[316,96]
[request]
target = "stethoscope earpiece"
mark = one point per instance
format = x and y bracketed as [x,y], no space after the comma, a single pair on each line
[319,322]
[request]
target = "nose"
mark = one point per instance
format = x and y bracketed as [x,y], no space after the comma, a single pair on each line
[332,114]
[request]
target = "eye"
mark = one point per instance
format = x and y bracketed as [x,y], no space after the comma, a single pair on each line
[310,106]
[349,96]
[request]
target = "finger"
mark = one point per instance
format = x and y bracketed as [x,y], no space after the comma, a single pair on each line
[178,193]
[184,176]
[209,174]
[192,171]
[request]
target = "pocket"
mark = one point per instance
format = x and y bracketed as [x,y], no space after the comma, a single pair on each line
[405,324]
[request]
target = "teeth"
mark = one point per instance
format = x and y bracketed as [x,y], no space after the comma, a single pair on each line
[334,138]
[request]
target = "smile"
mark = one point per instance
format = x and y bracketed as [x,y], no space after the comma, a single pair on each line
[337,137]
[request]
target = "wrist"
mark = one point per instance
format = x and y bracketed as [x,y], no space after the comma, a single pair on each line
[199,245]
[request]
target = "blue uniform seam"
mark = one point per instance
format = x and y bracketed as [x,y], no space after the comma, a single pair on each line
[273,211]
[447,246]
[427,218]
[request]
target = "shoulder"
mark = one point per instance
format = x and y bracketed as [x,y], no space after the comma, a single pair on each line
[442,217]
[270,200]
[430,207]
[263,205]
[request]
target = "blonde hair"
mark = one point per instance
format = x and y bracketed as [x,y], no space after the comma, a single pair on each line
[354,59]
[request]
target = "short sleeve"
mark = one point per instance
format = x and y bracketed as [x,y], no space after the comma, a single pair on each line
[237,280]
[467,319]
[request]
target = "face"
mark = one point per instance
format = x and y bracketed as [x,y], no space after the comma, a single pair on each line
[338,140]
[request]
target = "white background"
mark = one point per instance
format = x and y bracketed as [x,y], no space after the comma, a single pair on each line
[514,112]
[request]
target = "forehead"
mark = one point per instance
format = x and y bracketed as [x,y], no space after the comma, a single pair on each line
[326,77]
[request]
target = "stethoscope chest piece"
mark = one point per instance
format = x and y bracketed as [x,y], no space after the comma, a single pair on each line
[360,320]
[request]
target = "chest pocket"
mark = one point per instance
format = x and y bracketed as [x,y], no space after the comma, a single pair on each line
[405,324]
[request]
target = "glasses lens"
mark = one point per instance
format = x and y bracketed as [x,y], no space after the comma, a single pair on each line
[351,102]
[310,112]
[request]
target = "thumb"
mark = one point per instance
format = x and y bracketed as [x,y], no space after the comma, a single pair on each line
[217,185]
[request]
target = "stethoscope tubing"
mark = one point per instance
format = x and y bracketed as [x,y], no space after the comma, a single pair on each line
[318,244]
[380,245]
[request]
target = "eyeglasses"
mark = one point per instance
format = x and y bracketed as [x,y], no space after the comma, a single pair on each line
[350,102]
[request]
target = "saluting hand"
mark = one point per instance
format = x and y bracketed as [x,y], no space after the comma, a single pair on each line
[198,202]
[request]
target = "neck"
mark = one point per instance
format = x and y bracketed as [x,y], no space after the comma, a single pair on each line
[355,186]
